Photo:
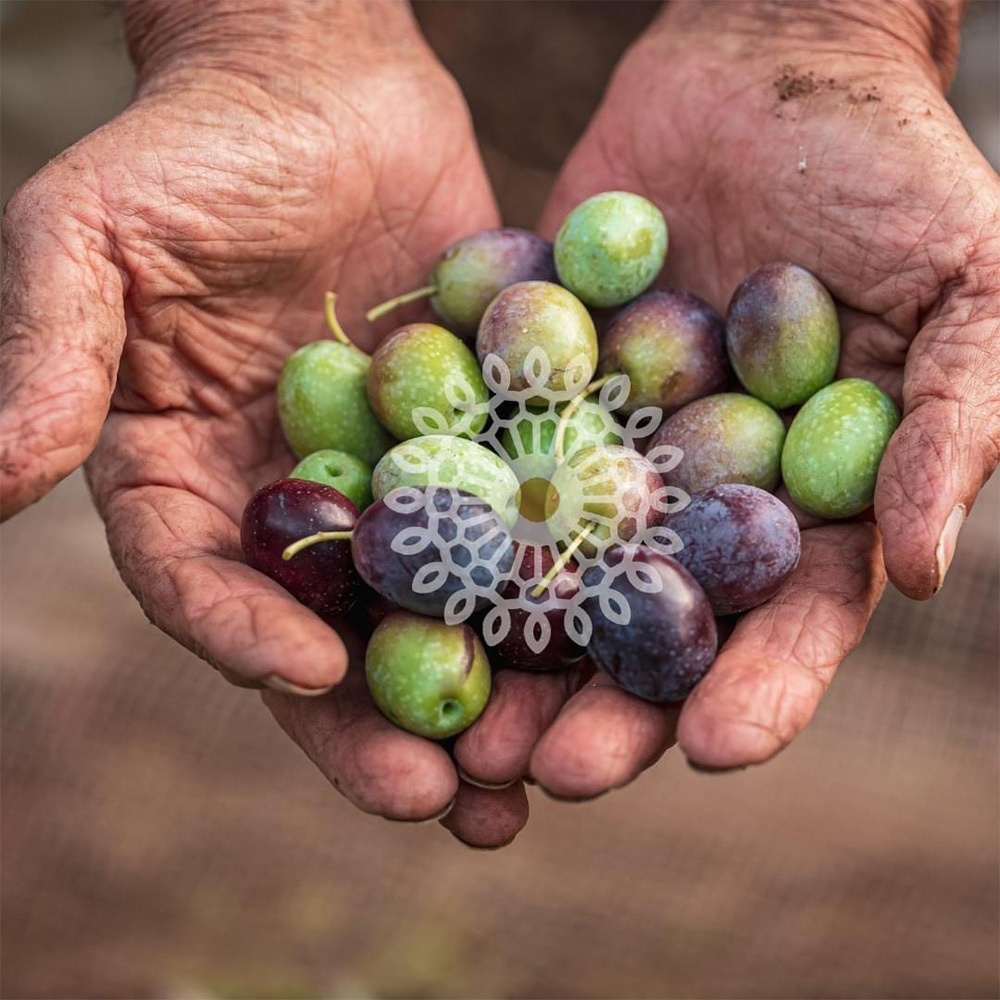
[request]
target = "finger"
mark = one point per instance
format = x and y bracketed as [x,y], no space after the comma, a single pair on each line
[949,441]
[377,766]
[63,326]
[767,681]
[496,749]
[180,555]
[602,739]
[485,818]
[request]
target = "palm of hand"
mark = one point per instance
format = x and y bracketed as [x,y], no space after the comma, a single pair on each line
[226,242]
[858,183]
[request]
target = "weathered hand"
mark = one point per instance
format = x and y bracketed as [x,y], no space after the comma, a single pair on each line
[169,262]
[817,134]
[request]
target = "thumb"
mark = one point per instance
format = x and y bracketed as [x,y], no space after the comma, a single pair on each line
[62,331]
[949,441]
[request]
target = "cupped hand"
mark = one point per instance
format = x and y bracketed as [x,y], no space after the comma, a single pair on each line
[167,264]
[764,134]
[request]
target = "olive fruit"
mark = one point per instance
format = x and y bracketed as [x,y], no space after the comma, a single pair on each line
[672,347]
[726,438]
[834,447]
[539,314]
[323,402]
[739,542]
[782,334]
[414,547]
[423,371]
[611,247]
[558,649]
[441,460]
[471,272]
[429,678]
[534,432]
[669,640]
[610,493]
[340,470]
[322,577]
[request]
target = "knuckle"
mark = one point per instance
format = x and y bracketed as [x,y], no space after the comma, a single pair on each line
[27,206]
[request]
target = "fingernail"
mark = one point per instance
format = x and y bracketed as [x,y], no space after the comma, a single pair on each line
[277,683]
[468,779]
[556,797]
[945,551]
[712,769]
[437,817]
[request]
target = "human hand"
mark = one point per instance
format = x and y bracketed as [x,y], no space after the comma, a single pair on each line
[272,152]
[862,174]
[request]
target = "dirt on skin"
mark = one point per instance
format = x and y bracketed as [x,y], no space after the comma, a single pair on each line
[791,84]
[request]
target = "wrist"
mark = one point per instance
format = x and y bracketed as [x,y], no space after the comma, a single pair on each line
[264,38]
[925,32]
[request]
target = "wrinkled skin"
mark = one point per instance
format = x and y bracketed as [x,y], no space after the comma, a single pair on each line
[201,228]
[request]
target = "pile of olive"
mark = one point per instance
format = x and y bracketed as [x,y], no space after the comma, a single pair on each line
[385,451]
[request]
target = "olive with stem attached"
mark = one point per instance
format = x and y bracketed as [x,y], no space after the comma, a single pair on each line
[471,272]
[276,519]
[322,398]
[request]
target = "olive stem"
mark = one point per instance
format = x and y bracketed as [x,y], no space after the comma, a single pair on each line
[560,564]
[321,536]
[400,300]
[336,330]
[572,406]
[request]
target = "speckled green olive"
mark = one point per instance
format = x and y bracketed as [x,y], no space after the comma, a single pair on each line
[726,438]
[344,472]
[607,490]
[782,334]
[539,314]
[611,247]
[429,678]
[322,402]
[442,460]
[833,448]
[409,377]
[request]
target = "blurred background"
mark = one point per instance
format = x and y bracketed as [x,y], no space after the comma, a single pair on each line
[162,838]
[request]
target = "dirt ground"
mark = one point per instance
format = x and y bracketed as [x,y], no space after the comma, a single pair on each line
[161,837]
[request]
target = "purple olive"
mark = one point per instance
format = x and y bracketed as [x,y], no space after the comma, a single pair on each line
[560,650]
[322,576]
[408,545]
[671,345]
[669,640]
[740,544]
[726,438]
[782,334]
[473,271]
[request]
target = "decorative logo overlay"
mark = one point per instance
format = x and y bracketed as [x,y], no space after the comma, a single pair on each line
[567,480]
